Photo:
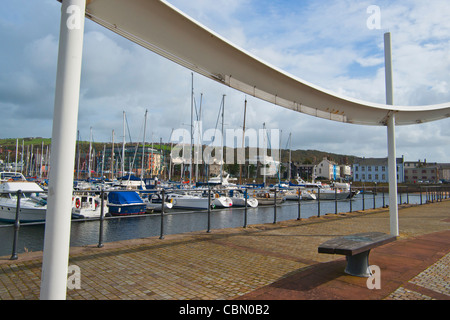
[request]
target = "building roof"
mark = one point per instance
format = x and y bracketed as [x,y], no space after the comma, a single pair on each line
[375,161]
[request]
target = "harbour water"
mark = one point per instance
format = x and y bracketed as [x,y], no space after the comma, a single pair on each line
[86,232]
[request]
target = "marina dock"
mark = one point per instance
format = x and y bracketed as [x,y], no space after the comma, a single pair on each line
[276,261]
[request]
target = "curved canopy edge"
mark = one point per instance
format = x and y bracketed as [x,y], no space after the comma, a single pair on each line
[163,29]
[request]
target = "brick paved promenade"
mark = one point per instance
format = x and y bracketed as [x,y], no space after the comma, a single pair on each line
[272,261]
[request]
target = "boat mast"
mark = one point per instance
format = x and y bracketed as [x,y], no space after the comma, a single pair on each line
[221,162]
[123,147]
[112,157]
[243,141]
[143,146]
[290,150]
[90,150]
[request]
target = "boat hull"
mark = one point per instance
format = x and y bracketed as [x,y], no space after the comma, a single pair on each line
[8,214]
[126,209]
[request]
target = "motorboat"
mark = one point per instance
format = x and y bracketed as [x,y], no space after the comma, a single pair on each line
[238,198]
[11,176]
[154,202]
[85,205]
[293,194]
[221,201]
[121,203]
[266,197]
[186,200]
[325,192]
[33,208]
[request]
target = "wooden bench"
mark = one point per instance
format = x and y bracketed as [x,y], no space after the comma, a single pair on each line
[356,248]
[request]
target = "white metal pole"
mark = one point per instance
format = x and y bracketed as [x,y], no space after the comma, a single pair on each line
[67,93]
[392,159]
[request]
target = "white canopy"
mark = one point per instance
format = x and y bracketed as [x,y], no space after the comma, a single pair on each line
[162,28]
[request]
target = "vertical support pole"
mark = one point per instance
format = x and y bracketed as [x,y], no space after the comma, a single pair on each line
[299,204]
[318,201]
[102,218]
[392,161]
[275,208]
[245,207]
[209,210]
[16,227]
[67,94]
[163,203]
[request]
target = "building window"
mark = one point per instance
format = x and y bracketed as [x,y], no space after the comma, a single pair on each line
[383,168]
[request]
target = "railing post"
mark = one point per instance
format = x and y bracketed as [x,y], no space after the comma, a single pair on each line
[161,237]
[275,207]
[318,201]
[16,227]
[209,210]
[351,206]
[299,206]
[363,200]
[335,200]
[245,208]
[374,194]
[102,218]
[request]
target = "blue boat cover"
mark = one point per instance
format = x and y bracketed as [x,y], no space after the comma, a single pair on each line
[124,197]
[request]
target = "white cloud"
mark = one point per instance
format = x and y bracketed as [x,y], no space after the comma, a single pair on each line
[324,42]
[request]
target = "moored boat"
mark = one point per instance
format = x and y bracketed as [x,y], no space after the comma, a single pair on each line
[184,200]
[32,207]
[121,203]
[87,206]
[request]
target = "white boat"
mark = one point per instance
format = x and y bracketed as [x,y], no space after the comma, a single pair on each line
[154,202]
[220,201]
[88,206]
[11,176]
[304,195]
[238,198]
[184,200]
[268,197]
[325,192]
[32,207]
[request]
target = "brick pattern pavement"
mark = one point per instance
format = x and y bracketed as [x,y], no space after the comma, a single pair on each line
[233,263]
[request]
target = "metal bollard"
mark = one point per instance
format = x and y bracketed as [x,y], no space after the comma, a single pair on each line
[102,218]
[16,227]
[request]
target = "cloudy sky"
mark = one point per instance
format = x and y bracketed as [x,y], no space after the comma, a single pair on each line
[327,43]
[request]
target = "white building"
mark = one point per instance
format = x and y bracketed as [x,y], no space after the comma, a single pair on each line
[327,169]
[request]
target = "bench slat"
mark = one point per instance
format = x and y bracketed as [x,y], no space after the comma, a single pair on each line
[355,243]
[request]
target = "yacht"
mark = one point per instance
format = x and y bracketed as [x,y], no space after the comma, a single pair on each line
[33,208]
[238,199]
[186,200]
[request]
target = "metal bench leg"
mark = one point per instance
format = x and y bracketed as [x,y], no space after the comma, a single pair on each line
[358,265]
